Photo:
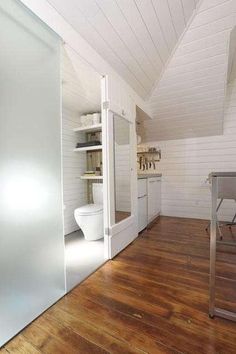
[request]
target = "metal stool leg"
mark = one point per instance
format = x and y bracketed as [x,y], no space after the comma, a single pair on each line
[232,223]
[218,226]
[213,248]
[219,229]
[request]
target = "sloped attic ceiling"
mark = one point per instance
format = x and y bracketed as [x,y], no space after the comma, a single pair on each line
[135,36]
[81,87]
[189,99]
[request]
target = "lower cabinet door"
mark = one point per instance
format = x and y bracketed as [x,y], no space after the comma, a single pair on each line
[142,213]
[154,198]
[158,197]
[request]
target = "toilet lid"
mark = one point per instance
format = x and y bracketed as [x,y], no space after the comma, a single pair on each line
[89,209]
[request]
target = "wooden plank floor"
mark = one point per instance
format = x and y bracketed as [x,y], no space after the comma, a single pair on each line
[152,298]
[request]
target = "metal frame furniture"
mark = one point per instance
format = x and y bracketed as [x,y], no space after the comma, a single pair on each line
[217,222]
[223,187]
[230,224]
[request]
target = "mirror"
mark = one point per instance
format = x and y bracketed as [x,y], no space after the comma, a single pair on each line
[122,168]
[232,56]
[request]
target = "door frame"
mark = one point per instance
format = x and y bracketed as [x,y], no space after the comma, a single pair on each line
[119,235]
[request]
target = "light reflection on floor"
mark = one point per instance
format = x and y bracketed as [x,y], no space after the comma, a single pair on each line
[82,257]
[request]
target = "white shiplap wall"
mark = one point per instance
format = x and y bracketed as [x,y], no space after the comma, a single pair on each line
[189,99]
[186,163]
[81,93]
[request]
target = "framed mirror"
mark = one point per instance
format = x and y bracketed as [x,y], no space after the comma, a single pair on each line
[122,168]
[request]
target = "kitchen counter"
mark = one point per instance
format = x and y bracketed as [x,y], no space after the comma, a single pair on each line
[222,174]
[149,175]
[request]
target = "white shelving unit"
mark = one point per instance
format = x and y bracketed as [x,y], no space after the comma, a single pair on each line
[91,177]
[94,155]
[89,128]
[89,148]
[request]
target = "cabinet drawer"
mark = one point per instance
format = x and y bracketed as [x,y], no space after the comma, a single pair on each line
[142,213]
[154,179]
[142,187]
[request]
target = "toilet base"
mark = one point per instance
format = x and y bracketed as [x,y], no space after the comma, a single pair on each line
[92,239]
[91,226]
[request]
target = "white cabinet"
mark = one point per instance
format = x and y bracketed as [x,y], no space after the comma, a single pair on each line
[154,197]
[119,100]
[142,213]
[142,187]
[149,200]
[142,204]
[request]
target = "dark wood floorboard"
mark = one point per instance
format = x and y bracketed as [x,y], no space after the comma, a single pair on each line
[152,298]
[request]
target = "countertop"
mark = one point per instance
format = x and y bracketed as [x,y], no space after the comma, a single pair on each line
[222,174]
[149,175]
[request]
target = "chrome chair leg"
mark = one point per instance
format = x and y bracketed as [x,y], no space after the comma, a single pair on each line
[232,223]
[217,222]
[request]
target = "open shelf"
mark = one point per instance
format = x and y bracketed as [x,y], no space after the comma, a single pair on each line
[148,152]
[91,177]
[89,128]
[88,148]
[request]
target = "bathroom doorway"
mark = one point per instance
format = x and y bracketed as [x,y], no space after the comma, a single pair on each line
[82,168]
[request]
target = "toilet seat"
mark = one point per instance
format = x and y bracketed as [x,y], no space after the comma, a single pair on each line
[89,209]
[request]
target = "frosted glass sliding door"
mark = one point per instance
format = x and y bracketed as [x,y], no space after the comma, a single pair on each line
[31,224]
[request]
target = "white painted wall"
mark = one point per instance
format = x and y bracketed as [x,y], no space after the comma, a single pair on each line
[186,163]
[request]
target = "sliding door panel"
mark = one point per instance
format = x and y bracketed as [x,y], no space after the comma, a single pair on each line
[31,224]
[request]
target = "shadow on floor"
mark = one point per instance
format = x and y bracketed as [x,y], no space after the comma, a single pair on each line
[82,257]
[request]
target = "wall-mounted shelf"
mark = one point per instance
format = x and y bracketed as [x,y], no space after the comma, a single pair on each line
[148,152]
[88,148]
[91,177]
[89,128]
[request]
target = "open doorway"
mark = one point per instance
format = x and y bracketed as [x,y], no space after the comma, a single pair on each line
[82,168]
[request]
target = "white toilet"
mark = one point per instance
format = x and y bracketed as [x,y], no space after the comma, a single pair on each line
[90,217]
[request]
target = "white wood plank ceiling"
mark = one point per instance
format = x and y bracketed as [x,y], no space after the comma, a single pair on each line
[183,84]
[135,36]
[189,99]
